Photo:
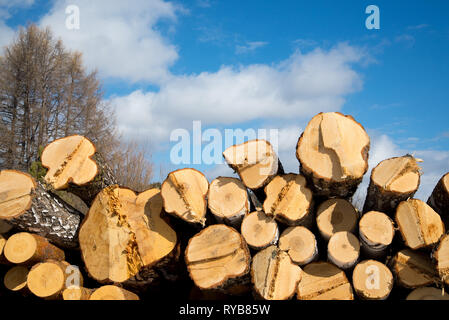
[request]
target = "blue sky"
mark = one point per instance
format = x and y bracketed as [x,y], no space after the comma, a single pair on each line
[264,64]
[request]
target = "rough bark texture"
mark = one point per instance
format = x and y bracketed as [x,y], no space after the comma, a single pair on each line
[439,199]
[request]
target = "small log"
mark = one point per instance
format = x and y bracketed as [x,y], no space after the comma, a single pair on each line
[16,279]
[259,230]
[2,246]
[335,215]
[324,281]
[376,232]
[5,227]
[274,275]
[441,257]
[372,280]
[138,237]
[256,163]
[333,153]
[419,224]
[218,258]
[343,250]
[74,165]
[228,200]
[29,207]
[392,181]
[300,244]
[413,269]
[184,195]
[77,293]
[439,199]
[428,293]
[110,292]
[289,200]
[28,249]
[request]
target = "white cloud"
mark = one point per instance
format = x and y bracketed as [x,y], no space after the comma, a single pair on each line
[119,38]
[6,6]
[250,46]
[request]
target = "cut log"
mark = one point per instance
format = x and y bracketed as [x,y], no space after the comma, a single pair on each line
[439,199]
[392,181]
[28,249]
[218,258]
[5,227]
[255,162]
[376,232]
[184,195]
[27,206]
[110,292]
[73,164]
[324,281]
[2,245]
[419,224]
[274,275]
[441,257]
[335,215]
[289,200]
[259,230]
[76,293]
[343,250]
[48,279]
[300,244]
[428,293]
[372,280]
[228,200]
[333,153]
[414,269]
[123,235]
[16,279]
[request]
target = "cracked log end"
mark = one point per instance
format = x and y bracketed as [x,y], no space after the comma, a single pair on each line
[274,275]
[419,224]
[333,152]
[111,292]
[441,256]
[288,199]
[27,249]
[414,269]
[372,280]
[428,293]
[122,233]
[300,244]
[343,249]
[335,215]
[48,279]
[216,257]
[255,162]
[259,230]
[228,200]
[69,160]
[16,193]
[16,278]
[324,281]
[184,195]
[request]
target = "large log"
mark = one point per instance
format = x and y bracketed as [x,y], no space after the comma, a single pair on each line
[138,239]
[333,153]
[300,244]
[259,230]
[26,205]
[335,215]
[74,165]
[289,200]
[256,163]
[392,181]
[439,199]
[376,232]
[372,280]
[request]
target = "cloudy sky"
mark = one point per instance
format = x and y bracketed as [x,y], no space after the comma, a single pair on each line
[271,64]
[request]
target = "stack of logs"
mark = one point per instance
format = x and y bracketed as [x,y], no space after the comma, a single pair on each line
[268,235]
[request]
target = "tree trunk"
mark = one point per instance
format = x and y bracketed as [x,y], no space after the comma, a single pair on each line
[343,250]
[184,194]
[256,163]
[274,275]
[75,166]
[300,244]
[392,181]
[419,224]
[29,207]
[324,281]
[113,293]
[376,232]
[439,199]
[259,230]
[335,215]
[372,280]
[333,153]
[289,200]
[218,258]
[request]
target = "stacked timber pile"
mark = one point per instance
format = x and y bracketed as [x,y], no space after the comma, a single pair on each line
[267,235]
